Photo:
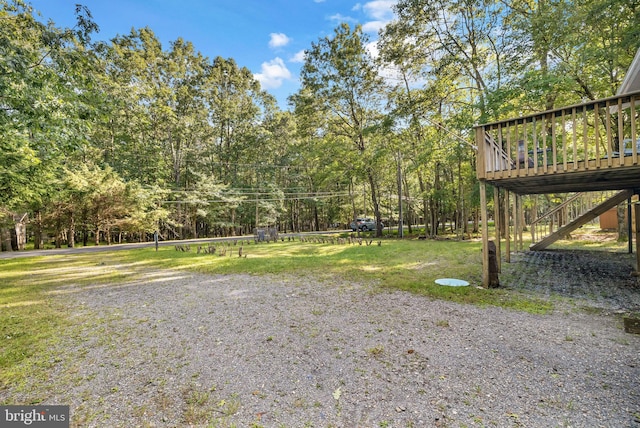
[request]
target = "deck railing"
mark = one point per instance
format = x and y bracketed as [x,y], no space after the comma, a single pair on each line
[597,134]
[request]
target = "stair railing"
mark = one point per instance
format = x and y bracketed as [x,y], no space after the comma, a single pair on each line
[574,206]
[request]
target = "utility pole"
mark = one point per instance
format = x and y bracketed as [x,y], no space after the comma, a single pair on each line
[257,205]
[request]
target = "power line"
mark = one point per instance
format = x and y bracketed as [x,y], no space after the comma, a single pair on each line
[255,165]
[244,192]
[214,201]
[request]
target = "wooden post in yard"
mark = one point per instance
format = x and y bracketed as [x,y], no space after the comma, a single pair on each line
[517,230]
[494,281]
[520,221]
[637,212]
[507,249]
[497,221]
[485,234]
[515,222]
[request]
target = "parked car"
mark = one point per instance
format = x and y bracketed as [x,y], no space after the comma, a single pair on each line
[363,224]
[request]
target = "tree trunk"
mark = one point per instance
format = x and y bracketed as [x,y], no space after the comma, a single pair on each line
[435,202]
[425,213]
[5,239]
[476,220]
[85,229]
[459,201]
[194,224]
[71,241]
[376,204]
[415,143]
[408,209]
[433,218]
[465,220]
[58,232]
[21,233]
[14,238]
[295,220]
[37,231]
[353,200]
[233,221]
[179,220]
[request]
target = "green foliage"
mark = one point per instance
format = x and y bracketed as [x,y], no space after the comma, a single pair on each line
[96,199]
[341,83]
[209,152]
[41,114]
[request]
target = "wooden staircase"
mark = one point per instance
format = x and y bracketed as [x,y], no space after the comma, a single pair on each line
[593,213]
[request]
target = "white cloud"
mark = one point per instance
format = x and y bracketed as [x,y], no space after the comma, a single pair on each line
[273,74]
[377,13]
[278,40]
[298,57]
[379,9]
[319,1]
[381,13]
[373,26]
[341,18]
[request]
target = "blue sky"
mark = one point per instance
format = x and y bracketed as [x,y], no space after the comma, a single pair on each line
[266,36]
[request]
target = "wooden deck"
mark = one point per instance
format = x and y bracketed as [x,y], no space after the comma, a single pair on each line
[592,146]
[585,147]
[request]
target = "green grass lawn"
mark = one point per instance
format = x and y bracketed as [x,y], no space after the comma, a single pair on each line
[32,290]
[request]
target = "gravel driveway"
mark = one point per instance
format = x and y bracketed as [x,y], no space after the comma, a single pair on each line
[178,349]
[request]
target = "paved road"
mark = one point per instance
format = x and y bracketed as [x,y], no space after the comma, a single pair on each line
[132,246]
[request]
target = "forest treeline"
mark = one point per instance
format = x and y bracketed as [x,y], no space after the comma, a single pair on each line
[110,140]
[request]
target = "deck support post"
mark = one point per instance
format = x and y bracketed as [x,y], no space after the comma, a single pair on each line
[637,212]
[485,234]
[497,222]
[516,221]
[630,226]
[520,220]
[507,228]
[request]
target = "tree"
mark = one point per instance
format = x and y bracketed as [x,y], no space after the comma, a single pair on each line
[130,116]
[110,205]
[43,102]
[340,80]
[429,98]
[174,117]
[563,52]
[463,34]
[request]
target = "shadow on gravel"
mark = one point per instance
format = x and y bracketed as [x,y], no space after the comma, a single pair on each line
[597,279]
